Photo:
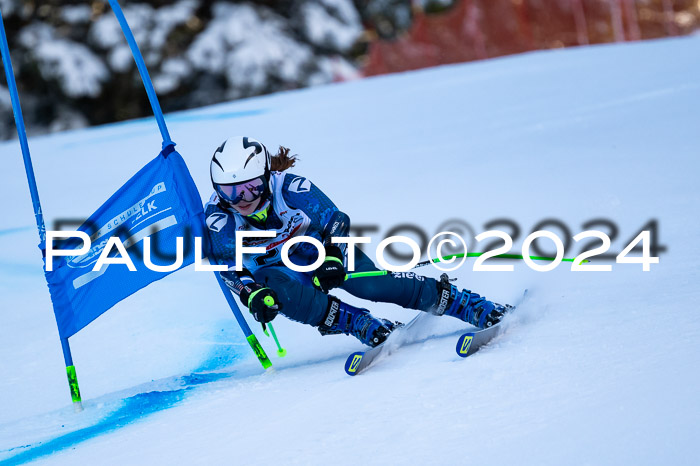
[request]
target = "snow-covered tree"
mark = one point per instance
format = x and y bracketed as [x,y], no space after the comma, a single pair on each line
[74,68]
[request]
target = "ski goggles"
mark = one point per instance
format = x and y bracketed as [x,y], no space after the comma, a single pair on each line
[247,191]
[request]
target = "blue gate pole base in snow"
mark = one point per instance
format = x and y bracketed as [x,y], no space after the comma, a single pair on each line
[249,335]
[72,377]
[38,215]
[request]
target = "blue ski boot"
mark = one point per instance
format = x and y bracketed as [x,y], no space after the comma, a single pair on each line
[344,318]
[467,306]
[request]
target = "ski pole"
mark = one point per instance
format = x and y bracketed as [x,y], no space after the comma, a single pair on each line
[444,258]
[477,254]
[281,352]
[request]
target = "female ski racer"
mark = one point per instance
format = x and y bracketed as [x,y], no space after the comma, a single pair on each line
[253,192]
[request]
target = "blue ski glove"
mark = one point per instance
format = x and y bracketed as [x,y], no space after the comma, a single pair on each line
[330,274]
[261,301]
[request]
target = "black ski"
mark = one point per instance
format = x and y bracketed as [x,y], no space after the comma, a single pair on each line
[360,360]
[470,342]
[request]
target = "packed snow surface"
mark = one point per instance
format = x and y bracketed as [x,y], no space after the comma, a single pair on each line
[597,367]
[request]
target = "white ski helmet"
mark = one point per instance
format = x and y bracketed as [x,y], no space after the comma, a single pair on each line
[238,160]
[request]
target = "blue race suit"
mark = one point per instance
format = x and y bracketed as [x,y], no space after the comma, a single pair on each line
[299,208]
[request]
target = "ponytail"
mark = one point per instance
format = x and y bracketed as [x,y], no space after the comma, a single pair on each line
[282,160]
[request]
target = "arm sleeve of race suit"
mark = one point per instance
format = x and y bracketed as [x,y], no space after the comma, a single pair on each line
[221,229]
[237,280]
[221,226]
[338,226]
[300,193]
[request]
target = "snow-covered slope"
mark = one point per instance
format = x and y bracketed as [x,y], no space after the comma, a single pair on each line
[598,368]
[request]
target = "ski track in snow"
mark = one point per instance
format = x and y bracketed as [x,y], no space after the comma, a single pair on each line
[594,368]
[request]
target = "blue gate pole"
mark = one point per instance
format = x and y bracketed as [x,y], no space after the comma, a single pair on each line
[249,335]
[160,119]
[39,217]
[143,71]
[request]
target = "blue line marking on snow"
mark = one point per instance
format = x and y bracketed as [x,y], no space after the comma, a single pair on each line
[137,407]
[187,117]
[9,231]
[183,117]
[14,269]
